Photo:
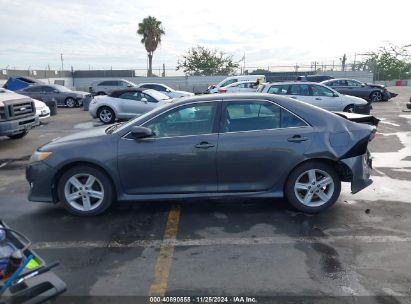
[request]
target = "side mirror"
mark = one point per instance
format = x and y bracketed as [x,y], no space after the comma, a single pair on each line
[129,86]
[335,95]
[140,132]
[56,91]
[144,100]
[168,90]
[363,85]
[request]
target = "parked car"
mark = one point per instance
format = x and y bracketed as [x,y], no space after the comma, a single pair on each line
[166,90]
[126,104]
[314,78]
[232,145]
[370,92]
[232,79]
[105,87]
[61,94]
[318,95]
[42,110]
[409,104]
[17,115]
[240,87]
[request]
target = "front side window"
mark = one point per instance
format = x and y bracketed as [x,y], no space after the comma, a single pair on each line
[131,95]
[250,116]
[321,91]
[278,89]
[186,120]
[49,89]
[33,89]
[352,83]
[148,97]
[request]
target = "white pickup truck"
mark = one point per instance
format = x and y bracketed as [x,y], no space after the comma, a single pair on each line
[17,115]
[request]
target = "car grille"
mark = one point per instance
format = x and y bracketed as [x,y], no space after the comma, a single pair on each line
[17,110]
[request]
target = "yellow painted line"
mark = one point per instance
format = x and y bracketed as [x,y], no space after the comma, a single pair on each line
[165,257]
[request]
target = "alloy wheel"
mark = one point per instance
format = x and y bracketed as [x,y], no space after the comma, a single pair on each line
[84,192]
[314,187]
[70,102]
[376,96]
[105,115]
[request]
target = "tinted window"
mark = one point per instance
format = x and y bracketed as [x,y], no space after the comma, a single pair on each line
[131,95]
[33,89]
[187,120]
[353,83]
[299,89]
[278,89]
[149,98]
[321,91]
[109,83]
[48,89]
[229,82]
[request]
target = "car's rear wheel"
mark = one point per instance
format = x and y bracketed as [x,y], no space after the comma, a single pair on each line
[376,96]
[70,102]
[85,191]
[349,108]
[106,115]
[313,187]
[19,135]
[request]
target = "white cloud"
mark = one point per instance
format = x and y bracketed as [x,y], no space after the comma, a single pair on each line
[103,33]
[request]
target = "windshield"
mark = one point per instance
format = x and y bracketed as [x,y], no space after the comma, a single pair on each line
[157,95]
[61,88]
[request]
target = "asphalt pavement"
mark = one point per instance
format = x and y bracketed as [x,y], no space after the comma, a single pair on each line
[358,249]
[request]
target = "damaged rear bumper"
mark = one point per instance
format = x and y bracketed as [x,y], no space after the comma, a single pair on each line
[361,167]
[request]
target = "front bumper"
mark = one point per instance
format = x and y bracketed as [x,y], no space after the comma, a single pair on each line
[12,127]
[361,167]
[363,109]
[40,177]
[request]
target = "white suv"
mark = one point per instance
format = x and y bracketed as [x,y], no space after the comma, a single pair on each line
[318,95]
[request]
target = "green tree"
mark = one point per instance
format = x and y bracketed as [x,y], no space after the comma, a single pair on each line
[151,30]
[387,63]
[202,61]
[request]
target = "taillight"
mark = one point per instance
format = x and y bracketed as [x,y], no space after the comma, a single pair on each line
[222,90]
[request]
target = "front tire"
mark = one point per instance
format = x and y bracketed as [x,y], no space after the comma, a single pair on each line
[70,102]
[349,108]
[85,191]
[19,135]
[313,187]
[106,115]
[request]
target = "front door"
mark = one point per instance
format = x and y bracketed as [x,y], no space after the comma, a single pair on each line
[259,144]
[179,158]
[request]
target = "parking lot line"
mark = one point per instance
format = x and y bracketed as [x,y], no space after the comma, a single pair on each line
[172,242]
[165,257]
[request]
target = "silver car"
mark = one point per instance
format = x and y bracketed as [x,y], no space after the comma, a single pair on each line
[126,104]
[105,87]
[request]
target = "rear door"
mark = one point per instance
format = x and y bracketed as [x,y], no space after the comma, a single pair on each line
[258,145]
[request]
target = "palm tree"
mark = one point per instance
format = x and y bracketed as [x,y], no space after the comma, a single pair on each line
[151,30]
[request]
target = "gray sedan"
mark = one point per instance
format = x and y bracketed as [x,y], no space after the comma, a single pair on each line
[61,94]
[228,145]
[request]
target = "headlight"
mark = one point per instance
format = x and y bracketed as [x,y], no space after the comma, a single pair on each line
[39,156]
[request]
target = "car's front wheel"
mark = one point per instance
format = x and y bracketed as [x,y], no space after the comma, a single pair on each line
[313,187]
[106,115]
[85,191]
[349,108]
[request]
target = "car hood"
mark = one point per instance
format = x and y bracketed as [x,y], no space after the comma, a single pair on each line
[354,99]
[87,135]
[374,85]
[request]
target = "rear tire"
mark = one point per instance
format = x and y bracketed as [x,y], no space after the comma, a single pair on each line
[19,135]
[106,115]
[313,187]
[85,191]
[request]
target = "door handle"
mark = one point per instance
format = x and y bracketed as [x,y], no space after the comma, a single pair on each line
[297,138]
[204,145]
[318,98]
[293,97]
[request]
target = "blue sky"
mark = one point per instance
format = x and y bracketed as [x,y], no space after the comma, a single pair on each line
[102,33]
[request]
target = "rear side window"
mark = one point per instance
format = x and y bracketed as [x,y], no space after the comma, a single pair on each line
[229,82]
[300,89]
[252,116]
[109,83]
[278,89]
